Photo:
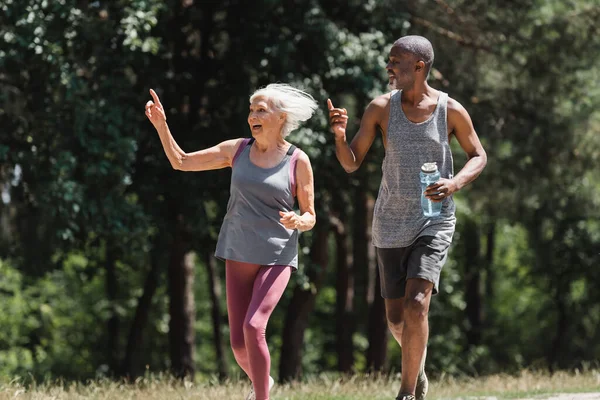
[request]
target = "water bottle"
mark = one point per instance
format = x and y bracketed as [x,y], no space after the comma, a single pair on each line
[429,174]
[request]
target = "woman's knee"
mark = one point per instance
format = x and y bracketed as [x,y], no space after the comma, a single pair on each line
[238,344]
[253,331]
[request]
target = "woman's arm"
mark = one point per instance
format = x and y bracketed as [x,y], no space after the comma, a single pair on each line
[306,198]
[219,156]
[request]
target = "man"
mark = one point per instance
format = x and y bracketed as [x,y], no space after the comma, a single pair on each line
[416,123]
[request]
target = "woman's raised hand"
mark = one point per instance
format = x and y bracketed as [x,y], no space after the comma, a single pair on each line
[155,111]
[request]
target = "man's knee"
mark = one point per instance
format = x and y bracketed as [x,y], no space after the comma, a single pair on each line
[416,307]
[396,327]
[395,319]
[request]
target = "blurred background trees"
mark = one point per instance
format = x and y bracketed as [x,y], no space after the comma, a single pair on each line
[106,252]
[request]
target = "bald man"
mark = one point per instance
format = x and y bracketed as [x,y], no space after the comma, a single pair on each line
[417,123]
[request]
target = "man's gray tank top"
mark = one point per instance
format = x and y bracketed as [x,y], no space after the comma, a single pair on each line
[398,218]
[251,231]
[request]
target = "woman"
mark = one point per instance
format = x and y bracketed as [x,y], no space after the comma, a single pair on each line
[259,236]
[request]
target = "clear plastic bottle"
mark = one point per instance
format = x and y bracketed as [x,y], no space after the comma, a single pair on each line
[429,174]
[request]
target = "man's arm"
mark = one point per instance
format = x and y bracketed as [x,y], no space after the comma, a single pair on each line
[351,156]
[462,127]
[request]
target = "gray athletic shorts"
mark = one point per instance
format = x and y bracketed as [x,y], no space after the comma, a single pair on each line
[423,259]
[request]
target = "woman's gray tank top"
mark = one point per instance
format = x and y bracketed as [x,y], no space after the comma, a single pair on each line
[398,218]
[251,231]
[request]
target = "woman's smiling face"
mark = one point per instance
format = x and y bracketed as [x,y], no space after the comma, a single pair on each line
[264,117]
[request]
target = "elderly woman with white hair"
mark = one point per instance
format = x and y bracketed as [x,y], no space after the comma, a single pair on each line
[259,236]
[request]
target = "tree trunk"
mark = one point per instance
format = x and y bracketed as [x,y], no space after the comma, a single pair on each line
[377,330]
[181,307]
[361,245]
[130,366]
[214,289]
[204,62]
[489,274]
[111,294]
[301,306]
[344,327]
[473,298]
[555,352]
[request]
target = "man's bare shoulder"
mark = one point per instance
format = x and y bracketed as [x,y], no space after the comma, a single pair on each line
[379,106]
[455,108]
[459,119]
[382,101]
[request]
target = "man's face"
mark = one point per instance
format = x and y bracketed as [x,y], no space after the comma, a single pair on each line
[401,68]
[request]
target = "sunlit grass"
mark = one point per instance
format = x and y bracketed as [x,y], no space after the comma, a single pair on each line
[360,387]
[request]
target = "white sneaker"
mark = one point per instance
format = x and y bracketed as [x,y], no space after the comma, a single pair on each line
[252,395]
[422,386]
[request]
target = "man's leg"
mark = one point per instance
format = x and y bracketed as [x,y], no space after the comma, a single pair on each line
[424,264]
[414,331]
[394,312]
[393,264]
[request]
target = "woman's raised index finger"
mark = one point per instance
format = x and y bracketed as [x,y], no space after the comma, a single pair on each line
[154,96]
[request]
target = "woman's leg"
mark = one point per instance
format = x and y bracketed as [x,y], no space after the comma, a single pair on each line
[239,282]
[269,285]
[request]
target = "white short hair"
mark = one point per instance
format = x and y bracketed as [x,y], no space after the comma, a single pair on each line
[298,106]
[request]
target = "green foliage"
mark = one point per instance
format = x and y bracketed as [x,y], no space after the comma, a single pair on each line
[90,188]
[45,332]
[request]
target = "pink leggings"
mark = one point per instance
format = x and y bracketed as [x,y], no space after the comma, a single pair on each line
[253,291]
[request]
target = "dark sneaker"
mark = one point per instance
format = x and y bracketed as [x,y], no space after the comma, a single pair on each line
[405,397]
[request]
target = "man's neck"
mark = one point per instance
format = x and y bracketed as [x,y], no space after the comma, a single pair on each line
[417,93]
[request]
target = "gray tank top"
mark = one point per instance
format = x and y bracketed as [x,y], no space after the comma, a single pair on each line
[251,231]
[398,219]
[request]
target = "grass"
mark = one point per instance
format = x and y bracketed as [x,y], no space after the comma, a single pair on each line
[360,387]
